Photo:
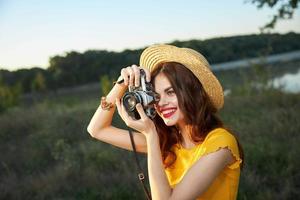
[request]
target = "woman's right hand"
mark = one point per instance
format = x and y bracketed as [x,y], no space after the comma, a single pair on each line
[131,75]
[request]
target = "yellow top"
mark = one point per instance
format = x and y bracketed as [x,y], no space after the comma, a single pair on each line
[225,186]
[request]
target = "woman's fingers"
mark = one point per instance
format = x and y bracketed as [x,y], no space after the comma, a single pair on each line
[125,75]
[131,75]
[136,75]
[148,74]
[141,111]
[140,125]
[126,118]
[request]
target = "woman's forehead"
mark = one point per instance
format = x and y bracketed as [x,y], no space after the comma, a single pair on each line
[161,82]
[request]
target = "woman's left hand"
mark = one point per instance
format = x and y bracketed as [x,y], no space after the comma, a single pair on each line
[144,125]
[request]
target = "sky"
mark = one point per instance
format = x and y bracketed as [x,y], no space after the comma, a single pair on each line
[32,31]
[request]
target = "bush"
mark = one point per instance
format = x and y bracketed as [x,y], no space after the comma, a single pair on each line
[9,96]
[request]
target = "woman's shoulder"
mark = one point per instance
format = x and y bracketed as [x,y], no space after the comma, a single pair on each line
[218,132]
[218,135]
[214,137]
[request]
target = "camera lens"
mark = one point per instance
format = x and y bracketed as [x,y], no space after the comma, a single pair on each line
[130,100]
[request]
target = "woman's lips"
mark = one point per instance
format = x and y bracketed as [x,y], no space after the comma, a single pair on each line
[167,113]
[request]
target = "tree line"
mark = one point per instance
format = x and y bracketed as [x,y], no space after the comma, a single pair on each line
[74,68]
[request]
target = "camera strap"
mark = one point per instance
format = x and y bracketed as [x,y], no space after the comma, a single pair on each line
[141,175]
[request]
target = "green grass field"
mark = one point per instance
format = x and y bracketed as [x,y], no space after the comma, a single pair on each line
[46,152]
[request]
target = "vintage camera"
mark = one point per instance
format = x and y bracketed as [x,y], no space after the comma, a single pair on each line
[143,94]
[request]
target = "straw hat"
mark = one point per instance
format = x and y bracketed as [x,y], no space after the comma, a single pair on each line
[191,59]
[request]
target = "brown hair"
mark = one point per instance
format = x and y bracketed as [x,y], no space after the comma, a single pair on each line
[199,113]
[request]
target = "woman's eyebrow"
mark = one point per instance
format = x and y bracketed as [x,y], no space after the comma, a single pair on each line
[168,88]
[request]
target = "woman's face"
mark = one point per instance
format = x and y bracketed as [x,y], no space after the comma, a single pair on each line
[167,107]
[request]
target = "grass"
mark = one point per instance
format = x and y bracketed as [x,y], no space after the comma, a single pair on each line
[46,152]
[268,127]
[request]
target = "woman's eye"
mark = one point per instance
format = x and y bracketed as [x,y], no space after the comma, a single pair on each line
[170,92]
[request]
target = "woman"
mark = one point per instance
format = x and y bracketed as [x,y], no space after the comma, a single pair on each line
[190,153]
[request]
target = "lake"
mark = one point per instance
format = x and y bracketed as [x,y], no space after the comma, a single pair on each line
[288,82]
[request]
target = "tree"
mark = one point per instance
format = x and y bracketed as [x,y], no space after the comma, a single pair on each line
[285,11]
[9,96]
[39,83]
[105,84]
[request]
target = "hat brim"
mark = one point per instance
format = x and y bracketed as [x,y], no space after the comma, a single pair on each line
[154,55]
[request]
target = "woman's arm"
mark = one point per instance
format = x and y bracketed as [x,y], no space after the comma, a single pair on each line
[100,125]
[103,118]
[195,182]
[160,188]
[202,174]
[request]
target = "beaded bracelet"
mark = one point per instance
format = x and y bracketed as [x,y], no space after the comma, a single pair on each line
[105,105]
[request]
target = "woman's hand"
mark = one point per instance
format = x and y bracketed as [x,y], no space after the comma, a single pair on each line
[131,75]
[144,125]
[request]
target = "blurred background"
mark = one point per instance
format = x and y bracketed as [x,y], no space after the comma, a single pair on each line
[57,58]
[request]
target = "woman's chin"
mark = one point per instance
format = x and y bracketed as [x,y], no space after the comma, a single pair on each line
[169,122]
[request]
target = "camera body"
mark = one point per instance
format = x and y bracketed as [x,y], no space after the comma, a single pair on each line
[144,94]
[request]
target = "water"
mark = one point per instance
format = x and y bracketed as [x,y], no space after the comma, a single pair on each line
[288,82]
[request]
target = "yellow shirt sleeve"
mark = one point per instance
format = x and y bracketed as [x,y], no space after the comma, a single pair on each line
[220,138]
[225,186]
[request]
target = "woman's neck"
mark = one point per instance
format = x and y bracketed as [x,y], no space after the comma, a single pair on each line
[187,141]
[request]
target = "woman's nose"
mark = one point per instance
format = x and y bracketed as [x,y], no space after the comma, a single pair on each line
[162,101]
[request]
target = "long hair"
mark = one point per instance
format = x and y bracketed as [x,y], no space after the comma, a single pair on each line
[198,111]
